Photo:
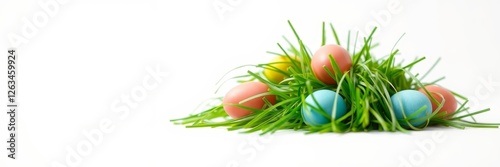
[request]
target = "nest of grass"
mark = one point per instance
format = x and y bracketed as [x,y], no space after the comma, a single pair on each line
[367,89]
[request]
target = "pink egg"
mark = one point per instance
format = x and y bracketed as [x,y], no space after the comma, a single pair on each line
[450,104]
[243,92]
[321,58]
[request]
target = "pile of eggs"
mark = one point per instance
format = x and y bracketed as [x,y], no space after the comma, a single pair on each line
[410,107]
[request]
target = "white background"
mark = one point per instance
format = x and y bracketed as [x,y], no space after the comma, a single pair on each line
[89,54]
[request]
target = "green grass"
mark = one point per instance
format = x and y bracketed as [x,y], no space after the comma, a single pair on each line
[366,88]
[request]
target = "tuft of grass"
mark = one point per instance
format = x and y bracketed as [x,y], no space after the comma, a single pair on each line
[367,88]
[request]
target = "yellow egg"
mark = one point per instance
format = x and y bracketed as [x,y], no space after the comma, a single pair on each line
[277,70]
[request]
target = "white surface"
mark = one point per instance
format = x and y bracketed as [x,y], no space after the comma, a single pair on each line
[77,66]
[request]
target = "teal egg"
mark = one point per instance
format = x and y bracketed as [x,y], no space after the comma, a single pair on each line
[409,102]
[322,100]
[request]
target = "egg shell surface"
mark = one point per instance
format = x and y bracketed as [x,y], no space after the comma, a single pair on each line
[325,100]
[409,102]
[322,58]
[281,63]
[243,92]
[450,103]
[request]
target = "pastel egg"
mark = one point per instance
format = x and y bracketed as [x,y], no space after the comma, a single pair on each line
[319,101]
[322,58]
[407,103]
[450,102]
[241,93]
[277,70]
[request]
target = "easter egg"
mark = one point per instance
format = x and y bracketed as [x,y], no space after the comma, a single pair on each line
[407,103]
[277,70]
[241,93]
[450,102]
[319,101]
[322,58]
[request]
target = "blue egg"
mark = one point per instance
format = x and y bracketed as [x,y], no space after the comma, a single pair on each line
[325,100]
[410,101]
